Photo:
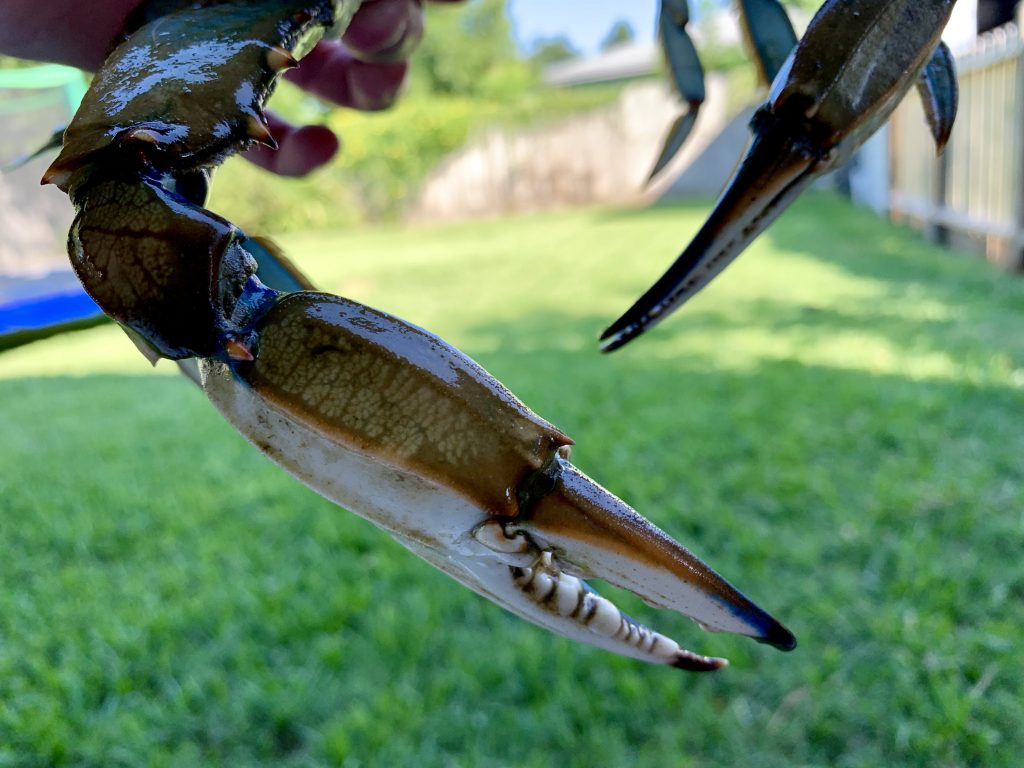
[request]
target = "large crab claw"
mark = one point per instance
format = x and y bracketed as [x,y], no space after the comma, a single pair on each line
[846,76]
[396,425]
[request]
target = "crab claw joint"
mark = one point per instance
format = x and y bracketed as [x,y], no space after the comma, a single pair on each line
[838,86]
[394,424]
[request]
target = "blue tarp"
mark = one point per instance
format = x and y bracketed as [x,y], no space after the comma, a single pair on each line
[40,316]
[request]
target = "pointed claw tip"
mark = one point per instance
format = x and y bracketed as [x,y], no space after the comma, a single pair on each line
[259,131]
[614,338]
[691,662]
[610,346]
[779,637]
[56,175]
[655,172]
[634,322]
[279,59]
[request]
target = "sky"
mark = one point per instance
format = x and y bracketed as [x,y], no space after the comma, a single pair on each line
[585,22]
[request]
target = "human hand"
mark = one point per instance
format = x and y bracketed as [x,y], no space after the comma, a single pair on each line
[365,70]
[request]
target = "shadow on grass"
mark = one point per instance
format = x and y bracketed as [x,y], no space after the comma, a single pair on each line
[978,307]
[986,304]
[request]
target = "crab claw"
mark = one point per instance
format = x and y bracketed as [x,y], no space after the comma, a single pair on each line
[768,35]
[846,76]
[687,75]
[595,534]
[940,95]
[394,424]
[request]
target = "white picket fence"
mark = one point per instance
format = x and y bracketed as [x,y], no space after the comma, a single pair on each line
[975,190]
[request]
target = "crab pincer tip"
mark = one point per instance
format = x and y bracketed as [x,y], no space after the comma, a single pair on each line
[57,175]
[618,335]
[779,637]
[279,59]
[691,662]
[259,131]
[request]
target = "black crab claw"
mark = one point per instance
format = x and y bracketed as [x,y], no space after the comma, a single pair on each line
[687,76]
[776,169]
[844,79]
[768,33]
[939,95]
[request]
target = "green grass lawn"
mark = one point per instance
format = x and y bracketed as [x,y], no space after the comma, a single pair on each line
[835,425]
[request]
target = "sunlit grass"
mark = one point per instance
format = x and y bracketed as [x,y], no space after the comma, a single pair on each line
[835,424]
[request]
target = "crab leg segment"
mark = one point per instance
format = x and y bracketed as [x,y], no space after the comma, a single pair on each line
[389,421]
[171,101]
[846,76]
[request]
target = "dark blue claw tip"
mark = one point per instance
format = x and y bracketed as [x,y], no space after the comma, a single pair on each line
[778,636]
[763,627]
[616,336]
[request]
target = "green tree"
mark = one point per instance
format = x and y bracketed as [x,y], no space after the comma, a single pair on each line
[549,50]
[621,32]
[468,50]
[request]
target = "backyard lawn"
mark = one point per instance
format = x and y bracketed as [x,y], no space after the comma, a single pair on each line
[836,425]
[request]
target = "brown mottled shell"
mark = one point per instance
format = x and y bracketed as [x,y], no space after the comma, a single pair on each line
[157,266]
[185,94]
[399,393]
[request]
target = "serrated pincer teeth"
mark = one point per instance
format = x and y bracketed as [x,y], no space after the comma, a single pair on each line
[569,597]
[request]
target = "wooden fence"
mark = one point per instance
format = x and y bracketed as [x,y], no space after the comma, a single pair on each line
[975,190]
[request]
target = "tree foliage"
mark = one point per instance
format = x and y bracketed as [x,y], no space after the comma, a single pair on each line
[469,50]
[550,50]
[620,33]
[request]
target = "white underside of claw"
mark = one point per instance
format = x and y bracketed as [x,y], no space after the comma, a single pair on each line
[442,527]
[655,586]
[577,612]
[402,503]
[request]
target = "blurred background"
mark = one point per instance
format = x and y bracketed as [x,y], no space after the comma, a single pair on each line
[835,425]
